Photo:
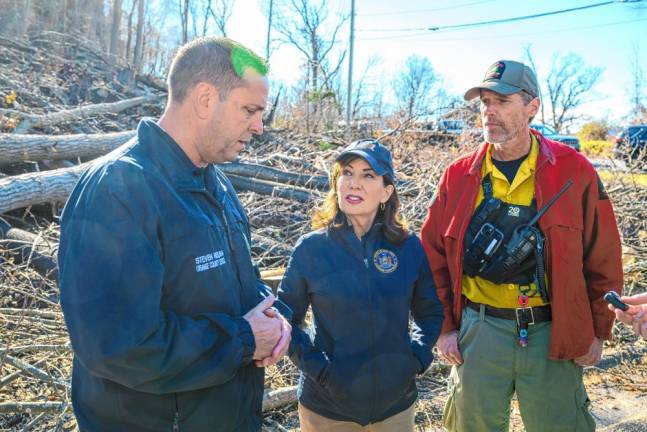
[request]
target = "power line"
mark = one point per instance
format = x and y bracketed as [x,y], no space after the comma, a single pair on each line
[480,37]
[426,10]
[501,21]
[521,18]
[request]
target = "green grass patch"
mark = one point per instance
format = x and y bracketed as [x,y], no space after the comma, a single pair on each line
[325,145]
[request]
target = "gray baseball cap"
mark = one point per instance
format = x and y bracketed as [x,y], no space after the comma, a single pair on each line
[506,77]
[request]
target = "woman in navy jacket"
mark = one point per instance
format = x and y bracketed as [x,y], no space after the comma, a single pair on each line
[364,274]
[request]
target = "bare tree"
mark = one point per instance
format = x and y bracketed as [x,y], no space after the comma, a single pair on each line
[139,41]
[360,100]
[221,13]
[305,26]
[569,82]
[24,15]
[98,23]
[115,27]
[531,60]
[414,85]
[638,108]
[129,40]
[184,20]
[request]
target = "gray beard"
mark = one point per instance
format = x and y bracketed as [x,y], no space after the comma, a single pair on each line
[491,140]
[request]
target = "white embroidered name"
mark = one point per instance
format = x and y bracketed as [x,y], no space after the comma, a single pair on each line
[209,261]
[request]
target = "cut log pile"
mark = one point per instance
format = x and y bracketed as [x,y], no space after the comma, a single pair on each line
[61,106]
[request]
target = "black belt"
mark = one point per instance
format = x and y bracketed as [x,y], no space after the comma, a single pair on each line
[529,315]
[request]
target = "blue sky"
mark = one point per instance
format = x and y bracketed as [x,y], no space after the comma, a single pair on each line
[604,36]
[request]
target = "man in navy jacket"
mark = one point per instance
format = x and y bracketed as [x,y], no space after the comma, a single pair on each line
[170,323]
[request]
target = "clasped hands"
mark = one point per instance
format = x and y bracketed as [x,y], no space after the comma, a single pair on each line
[272,332]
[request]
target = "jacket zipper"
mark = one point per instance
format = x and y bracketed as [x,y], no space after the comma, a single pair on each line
[459,256]
[370,309]
[540,202]
[176,417]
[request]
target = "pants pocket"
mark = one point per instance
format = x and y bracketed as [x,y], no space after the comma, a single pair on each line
[584,419]
[449,412]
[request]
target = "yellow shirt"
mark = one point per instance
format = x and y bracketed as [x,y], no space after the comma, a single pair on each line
[520,192]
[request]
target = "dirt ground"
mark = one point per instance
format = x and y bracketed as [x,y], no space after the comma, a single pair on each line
[617,388]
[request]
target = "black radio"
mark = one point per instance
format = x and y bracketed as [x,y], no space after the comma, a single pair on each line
[485,244]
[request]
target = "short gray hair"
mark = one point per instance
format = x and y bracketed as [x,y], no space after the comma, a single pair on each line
[210,60]
[527,98]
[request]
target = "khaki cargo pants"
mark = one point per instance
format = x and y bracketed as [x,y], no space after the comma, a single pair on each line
[313,422]
[551,394]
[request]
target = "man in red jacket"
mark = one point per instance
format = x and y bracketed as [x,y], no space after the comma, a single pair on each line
[521,279]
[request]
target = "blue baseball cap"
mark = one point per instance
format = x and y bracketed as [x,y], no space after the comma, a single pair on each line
[377,156]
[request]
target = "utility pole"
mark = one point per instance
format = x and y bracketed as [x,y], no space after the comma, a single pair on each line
[349,101]
[269,28]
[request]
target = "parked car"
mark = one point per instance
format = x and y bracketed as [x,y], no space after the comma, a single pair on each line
[450,126]
[631,143]
[550,133]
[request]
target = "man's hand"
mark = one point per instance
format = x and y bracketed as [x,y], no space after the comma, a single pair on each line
[593,356]
[283,344]
[636,315]
[448,348]
[267,329]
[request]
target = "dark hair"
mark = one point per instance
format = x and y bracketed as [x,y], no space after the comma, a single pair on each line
[394,226]
[215,60]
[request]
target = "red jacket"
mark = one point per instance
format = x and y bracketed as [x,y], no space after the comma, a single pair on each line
[583,252]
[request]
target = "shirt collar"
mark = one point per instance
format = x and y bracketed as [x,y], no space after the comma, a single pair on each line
[526,169]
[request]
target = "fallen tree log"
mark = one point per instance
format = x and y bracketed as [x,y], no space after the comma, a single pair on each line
[55,186]
[33,188]
[31,121]
[274,175]
[17,147]
[151,81]
[278,398]
[28,248]
[35,372]
[271,189]
[32,407]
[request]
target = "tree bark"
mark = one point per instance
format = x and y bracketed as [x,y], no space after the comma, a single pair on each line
[139,40]
[130,31]
[26,10]
[274,175]
[33,188]
[278,398]
[32,121]
[16,148]
[56,185]
[114,29]
[32,407]
[266,188]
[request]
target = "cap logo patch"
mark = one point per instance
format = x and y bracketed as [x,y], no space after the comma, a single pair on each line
[495,71]
[369,144]
[385,260]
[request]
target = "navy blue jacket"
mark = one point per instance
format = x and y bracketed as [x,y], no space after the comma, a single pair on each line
[360,365]
[155,276]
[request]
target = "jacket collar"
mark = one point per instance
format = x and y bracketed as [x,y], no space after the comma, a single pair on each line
[548,152]
[169,158]
[346,235]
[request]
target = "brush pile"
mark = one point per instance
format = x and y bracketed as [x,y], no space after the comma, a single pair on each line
[62,104]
